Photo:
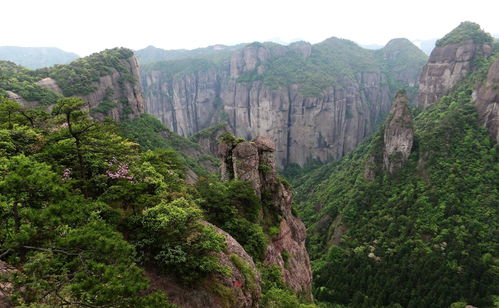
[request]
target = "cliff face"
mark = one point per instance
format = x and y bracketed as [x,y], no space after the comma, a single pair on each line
[126,94]
[249,93]
[116,93]
[487,101]
[398,135]
[255,162]
[446,66]
[393,149]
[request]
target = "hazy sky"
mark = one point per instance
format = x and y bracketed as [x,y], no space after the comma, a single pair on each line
[92,25]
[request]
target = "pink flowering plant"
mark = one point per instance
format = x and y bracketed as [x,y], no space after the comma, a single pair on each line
[66,174]
[118,170]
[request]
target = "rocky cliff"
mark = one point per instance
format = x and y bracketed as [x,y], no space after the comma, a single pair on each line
[398,135]
[316,102]
[446,66]
[460,52]
[451,60]
[125,94]
[239,289]
[255,162]
[109,81]
[487,101]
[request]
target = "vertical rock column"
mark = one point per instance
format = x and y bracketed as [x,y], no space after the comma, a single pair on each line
[255,162]
[398,135]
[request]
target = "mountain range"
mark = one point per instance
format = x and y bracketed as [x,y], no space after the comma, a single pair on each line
[152,178]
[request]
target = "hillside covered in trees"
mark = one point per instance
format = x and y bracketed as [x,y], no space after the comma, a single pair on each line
[415,226]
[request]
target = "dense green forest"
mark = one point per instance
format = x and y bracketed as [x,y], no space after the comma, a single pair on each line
[216,53]
[91,210]
[425,236]
[84,210]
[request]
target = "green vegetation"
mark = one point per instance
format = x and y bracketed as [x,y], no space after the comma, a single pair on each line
[424,237]
[329,60]
[275,293]
[401,60]
[333,60]
[76,197]
[245,269]
[72,189]
[151,134]
[210,131]
[78,77]
[107,103]
[22,81]
[234,207]
[464,32]
[172,236]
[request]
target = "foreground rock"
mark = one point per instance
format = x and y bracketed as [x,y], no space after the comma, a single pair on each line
[217,291]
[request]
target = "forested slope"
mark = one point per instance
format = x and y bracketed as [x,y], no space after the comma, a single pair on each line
[410,217]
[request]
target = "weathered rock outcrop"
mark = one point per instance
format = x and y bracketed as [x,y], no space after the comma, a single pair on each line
[392,150]
[127,94]
[122,94]
[50,84]
[446,66]
[255,162]
[208,139]
[398,135]
[241,290]
[487,101]
[321,127]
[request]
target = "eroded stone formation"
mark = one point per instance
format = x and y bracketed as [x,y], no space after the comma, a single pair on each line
[446,66]
[398,135]
[391,154]
[114,87]
[487,101]
[254,161]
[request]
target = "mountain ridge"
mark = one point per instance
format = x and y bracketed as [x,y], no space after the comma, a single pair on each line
[36,57]
[275,90]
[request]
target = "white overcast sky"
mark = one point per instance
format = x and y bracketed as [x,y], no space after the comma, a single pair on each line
[93,25]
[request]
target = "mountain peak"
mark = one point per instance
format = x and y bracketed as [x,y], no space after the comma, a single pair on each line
[466,31]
